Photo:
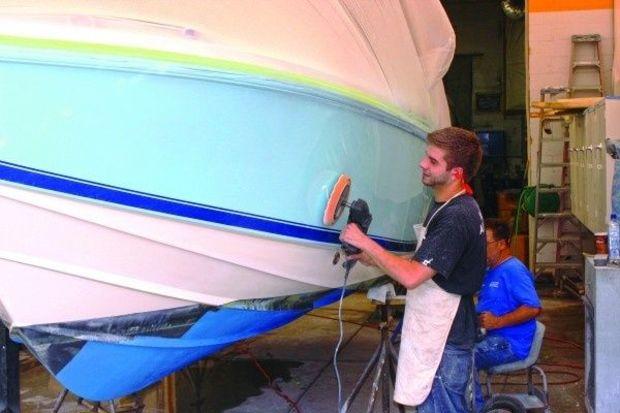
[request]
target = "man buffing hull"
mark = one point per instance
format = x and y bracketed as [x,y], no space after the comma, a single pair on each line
[439,330]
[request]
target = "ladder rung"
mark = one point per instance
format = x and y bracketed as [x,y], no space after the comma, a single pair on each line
[587,87]
[554,189]
[571,234]
[586,63]
[553,118]
[574,286]
[554,164]
[563,238]
[574,278]
[566,265]
[555,214]
[580,38]
[553,90]
[542,244]
[550,119]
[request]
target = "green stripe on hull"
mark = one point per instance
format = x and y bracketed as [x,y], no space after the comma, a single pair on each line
[212,63]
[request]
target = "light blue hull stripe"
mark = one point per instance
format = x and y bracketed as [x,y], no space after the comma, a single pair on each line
[137,65]
[72,186]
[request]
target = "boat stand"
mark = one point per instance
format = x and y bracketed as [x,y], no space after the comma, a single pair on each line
[9,373]
[383,362]
[137,406]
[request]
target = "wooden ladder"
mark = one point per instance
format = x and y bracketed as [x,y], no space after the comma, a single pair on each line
[585,77]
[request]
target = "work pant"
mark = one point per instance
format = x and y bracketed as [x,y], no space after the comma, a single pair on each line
[451,391]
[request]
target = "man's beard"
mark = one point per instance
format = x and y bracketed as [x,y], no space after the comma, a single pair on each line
[436,180]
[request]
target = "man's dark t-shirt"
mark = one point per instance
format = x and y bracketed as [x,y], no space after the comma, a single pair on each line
[455,247]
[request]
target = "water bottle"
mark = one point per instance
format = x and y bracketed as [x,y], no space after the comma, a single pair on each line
[613,239]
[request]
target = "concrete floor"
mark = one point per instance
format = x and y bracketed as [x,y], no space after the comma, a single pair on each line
[298,360]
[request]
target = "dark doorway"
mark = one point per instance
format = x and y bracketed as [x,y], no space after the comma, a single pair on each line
[459,85]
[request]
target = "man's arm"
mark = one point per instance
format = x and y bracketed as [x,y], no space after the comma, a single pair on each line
[407,272]
[518,316]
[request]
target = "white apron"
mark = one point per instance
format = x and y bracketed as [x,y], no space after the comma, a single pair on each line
[429,312]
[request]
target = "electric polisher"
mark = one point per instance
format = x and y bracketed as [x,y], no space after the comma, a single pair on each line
[359,212]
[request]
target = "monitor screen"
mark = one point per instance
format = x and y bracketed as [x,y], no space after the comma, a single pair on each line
[493,142]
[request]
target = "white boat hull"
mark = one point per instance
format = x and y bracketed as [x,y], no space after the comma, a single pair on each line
[106,261]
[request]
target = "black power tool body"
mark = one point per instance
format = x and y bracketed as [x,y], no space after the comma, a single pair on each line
[359,214]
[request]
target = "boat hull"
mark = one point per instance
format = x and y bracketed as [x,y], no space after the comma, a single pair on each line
[116,292]
[133,190]
[106,262]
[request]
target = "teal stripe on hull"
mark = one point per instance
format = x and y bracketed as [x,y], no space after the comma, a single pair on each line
[232,141]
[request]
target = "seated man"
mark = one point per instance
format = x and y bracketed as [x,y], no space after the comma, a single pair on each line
[507,304]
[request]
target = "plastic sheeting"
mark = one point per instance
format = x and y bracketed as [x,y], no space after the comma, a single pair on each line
[133,351]
[394,50]
[128,360]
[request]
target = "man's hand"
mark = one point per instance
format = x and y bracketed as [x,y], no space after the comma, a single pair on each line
[353,235]
[364,258]
[409,273]
[518,316]
[489,321]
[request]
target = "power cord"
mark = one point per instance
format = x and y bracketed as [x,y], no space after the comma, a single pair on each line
[347,268]
[359,214]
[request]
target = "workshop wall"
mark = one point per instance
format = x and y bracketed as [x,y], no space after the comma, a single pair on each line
[550,25]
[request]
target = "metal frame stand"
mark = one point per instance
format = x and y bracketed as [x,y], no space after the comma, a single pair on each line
[9,373]
[383,362]
[137,406]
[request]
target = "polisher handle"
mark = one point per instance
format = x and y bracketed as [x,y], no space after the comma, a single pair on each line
[359,214]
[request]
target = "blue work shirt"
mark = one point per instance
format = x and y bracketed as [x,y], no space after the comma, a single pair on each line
[505,288]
